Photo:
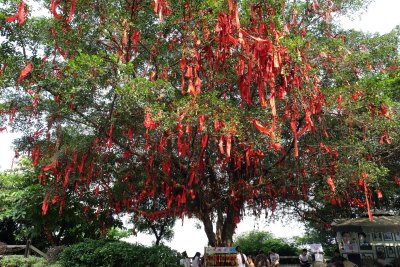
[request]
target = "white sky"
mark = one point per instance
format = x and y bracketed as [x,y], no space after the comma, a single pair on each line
[382,16]
[6,151]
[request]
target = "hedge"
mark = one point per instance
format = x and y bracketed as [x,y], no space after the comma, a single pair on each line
[19,261]
[117,254]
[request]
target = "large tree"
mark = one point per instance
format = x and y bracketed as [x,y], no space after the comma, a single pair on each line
[218,106]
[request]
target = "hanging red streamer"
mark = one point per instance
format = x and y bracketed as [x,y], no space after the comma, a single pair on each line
[25,72]
[364,176]
[148,122]
[331,184]
[396,180]
[45,206]
[161,8]
[53,7]
[71,11]
[21,14]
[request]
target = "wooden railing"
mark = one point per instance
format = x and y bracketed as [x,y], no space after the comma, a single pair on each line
[29,248]
[288,257]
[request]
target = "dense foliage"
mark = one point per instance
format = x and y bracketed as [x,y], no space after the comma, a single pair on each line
[218,107]
[161,228]
[318,235]
[255,242]
[19,261]
[117,253]
[21,199]
[102,253]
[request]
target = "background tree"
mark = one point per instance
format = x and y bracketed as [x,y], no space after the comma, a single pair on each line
[317,235]
[254,242]
[161,228]
[365,151]
[362,148]
[22,197]
[218,106]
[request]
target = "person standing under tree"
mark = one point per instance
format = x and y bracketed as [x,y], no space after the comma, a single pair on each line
[337,259]
[262,260]
[274,257]
[185,261]
[303,258]
[240,258]
[196,260]
[250,262]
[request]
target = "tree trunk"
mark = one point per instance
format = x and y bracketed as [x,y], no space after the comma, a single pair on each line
[219,227]
[158,235]
[208,228]
[229,226]
[158,240]
[225,228]
[225,212]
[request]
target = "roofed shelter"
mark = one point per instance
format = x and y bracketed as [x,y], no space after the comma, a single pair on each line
[361,240]
[378,223]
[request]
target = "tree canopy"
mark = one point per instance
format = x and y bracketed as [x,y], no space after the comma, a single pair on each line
[217,106]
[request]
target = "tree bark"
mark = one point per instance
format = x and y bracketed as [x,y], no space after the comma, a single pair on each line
[219,227]
[208,228]
[229,227]
[225,228]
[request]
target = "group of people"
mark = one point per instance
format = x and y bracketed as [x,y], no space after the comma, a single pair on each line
[187,262]
[266,260]
[336,261]
[261,260]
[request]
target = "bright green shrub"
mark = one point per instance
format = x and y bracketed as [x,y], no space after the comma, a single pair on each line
[19,261]
[162,256]
[117,254]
